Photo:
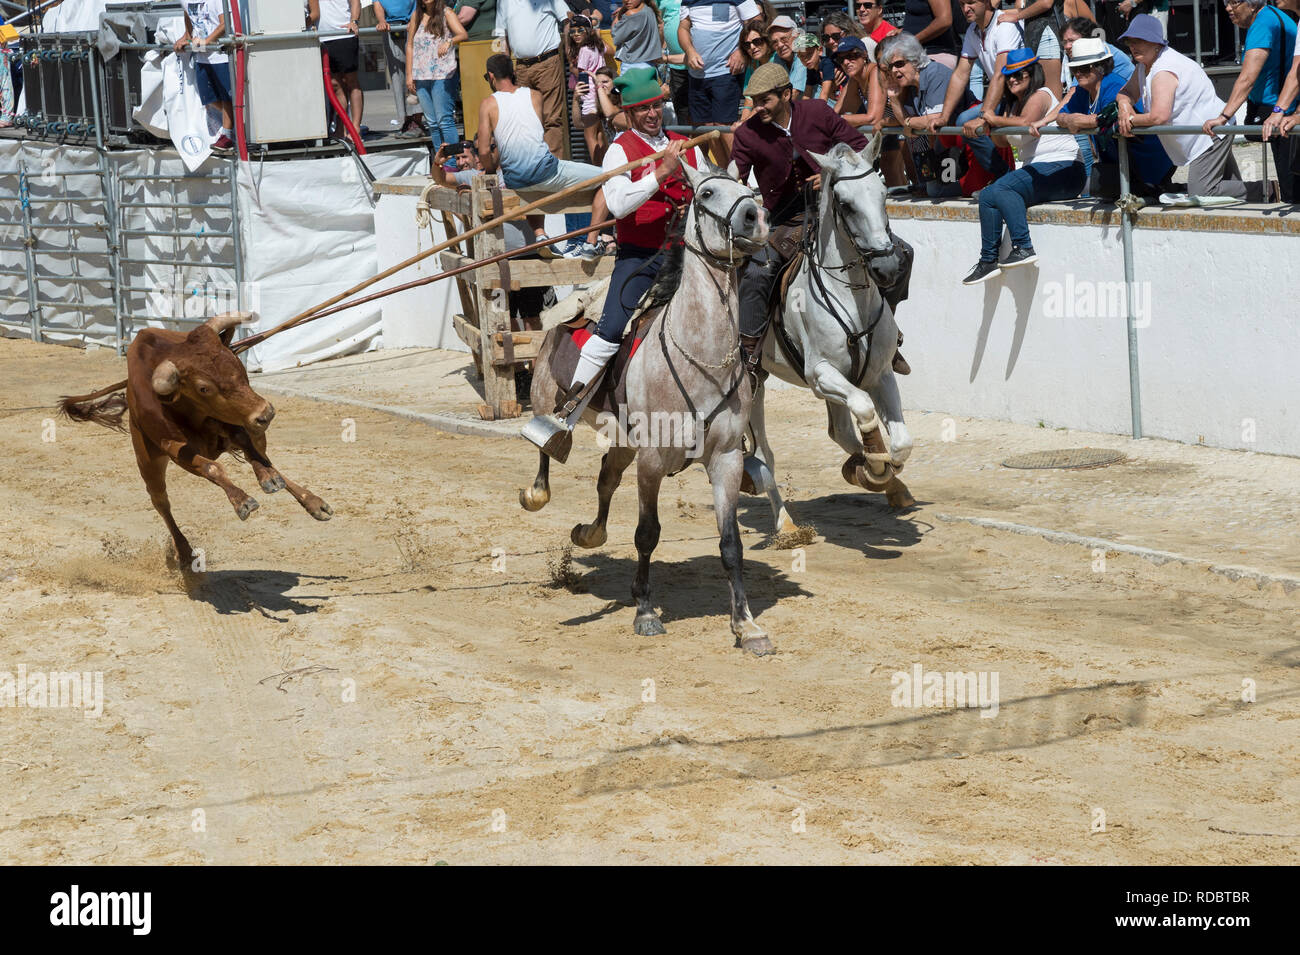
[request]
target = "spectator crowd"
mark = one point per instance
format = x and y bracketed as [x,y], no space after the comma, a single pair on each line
[975,64]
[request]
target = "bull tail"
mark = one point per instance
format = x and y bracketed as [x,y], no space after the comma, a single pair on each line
[105,406]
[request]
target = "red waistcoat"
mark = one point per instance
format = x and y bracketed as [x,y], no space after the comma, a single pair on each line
[647,227]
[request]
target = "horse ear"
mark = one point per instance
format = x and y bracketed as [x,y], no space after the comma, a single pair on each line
[693,175]
[822,159]
[733,170]
[871,152]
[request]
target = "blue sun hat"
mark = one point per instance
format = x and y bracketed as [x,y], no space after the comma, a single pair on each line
[1017,60]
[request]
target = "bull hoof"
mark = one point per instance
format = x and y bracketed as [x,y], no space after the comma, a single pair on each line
[649,626]
[751,638]
[246,507]
[588,535]
[319,509]
[273,484]
[534,498]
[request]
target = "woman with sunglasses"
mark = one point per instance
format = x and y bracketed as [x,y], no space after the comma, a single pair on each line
[1089,106]
[836,25]
[755,49]
[1051,169]
[922,84]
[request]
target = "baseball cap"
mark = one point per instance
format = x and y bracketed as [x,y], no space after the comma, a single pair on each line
[783,23]
[850,44]
[806,41]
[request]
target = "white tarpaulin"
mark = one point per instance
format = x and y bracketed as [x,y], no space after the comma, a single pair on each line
[308,229]
[306,233]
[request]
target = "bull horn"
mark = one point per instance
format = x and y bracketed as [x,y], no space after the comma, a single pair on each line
[228,320]
[166,378]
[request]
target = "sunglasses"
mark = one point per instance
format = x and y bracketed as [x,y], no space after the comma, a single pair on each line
[1020,75]
[898,64]
[830,37]
[851,55]
[750,44]
[1081,70]
[866,6]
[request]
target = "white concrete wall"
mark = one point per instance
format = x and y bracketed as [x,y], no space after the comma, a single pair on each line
[419,317]
[1219,355]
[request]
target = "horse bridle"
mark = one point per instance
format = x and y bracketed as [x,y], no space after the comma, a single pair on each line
[723,220]
[810,248]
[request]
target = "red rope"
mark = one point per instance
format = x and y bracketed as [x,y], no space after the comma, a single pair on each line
[338,107]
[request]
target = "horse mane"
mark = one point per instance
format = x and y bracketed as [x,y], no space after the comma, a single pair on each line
[670,271]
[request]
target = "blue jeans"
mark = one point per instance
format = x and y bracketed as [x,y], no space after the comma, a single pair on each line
[439,105]
[986,153]
[1009,198]
[1085,150]
[632,278]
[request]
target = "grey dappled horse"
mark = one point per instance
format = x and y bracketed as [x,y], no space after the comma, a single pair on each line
[687,370]
[844,331]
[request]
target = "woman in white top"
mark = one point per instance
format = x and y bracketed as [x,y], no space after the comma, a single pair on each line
[1177,92]
[1051,169]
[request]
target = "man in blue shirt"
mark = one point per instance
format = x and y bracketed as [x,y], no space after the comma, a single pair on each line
[1265,60]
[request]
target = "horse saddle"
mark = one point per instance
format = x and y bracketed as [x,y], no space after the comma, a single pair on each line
[611,393]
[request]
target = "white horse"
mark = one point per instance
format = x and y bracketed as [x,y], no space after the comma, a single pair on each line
[687,370]
[841,334]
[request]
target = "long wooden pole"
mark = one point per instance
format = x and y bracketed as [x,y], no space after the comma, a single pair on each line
[455,240]
[484,226]
[252,340]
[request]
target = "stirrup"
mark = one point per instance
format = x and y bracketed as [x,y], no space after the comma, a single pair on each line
[553,433]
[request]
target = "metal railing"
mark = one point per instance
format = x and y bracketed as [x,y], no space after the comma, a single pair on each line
[1123,205]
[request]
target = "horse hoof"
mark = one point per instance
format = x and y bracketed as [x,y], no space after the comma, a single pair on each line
[851,467]
[533,499]
[320,510]
[747,484]
[246,507]
[587,535]
[875,482]
[751,638]
[648,627]
[273,484]
[898,496]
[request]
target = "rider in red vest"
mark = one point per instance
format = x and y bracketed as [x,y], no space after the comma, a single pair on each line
[643,201]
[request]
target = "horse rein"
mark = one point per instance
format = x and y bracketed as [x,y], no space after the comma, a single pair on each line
[857,367]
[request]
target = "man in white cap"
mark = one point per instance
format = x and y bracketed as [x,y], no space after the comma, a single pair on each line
[783,30]
[1177,92]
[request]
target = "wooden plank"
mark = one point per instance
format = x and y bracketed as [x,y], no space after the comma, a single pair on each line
[538,273]
[493,309]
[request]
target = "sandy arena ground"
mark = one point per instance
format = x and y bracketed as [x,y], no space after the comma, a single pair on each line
[500,717]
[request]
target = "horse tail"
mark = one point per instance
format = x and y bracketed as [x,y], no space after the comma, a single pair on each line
[105,406]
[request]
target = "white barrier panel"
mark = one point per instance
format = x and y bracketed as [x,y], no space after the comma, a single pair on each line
[1218,339]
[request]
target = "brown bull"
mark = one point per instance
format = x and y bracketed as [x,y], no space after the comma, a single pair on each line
[190,402]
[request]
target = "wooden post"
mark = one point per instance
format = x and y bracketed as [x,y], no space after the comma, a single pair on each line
[493,308]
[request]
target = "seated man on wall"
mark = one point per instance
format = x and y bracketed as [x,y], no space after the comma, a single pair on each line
[512,116]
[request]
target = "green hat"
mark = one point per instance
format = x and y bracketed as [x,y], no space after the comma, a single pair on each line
[768,77]
[638,86]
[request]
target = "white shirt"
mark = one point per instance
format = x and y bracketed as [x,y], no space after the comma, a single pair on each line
[1194,102]
[1035,149]
[204,15]
[335,15]
[532,26]
[987,47]
[622,195]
